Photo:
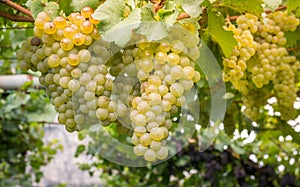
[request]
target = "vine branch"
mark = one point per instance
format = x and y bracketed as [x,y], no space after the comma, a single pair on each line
[16,18]
[17,7]
[183,15]
[293,49]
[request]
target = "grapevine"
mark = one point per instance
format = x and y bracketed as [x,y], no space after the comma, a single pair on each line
[78,69]
[260,60]
[141,87]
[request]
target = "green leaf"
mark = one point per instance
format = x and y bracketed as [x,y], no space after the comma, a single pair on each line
[17,37]
[182,161]
[292,38]
[65,6]
[249,6]
[152,29]
[224,38]
[48,114]
[192,7]
[77,5]
[122,31]
[293,6]
[238,149]
[52,8]
[272,4]
[110,13]
[79,150]
[286,129]
[35,6]
[162,12]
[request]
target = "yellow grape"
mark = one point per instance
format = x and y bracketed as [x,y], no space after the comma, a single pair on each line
[49,28]
[60,22]
[66,44]
[87,11]
[86,27]
[78,39]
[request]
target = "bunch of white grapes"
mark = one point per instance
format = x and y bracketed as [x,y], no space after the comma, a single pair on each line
[166,73]
[140,88]
[260,59]
[71,57]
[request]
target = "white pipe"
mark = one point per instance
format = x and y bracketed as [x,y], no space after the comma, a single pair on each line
[16,81]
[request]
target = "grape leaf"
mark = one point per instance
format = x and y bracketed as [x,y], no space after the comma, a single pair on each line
[249,6]
[110,13]
[35,6]
[77,5]
[192,7]
[79,150]
[292,38]
[152,29]
[65,6]
[52,8]
[286,129]
[48,114]
[122,31]
[224,38]
[272,4]
[293,6]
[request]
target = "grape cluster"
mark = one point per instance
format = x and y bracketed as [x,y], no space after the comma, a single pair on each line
[260,59]
[71,58]
[161,72]
[90,81]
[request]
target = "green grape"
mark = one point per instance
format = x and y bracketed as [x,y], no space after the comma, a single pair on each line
[73,59]
[162,153]
[74,85]
[64,81]
[139,150]
[84,55]
[53,61]
[173,59]
[150,155]
[176,72]
[145,139]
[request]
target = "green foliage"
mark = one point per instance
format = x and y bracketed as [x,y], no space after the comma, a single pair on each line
[35,6]
[65,6]
[192,7]
[21,144]
[110,13]
[149,27]
[233,159]
[293,6]
[249,6]
[293,38]
[121,32]
[223,38]
[272,4]
[77,5]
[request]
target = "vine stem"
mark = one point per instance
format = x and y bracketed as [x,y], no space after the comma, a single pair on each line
[293,49]
[17,7]
[16,18]
[16,28]
[183,15]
